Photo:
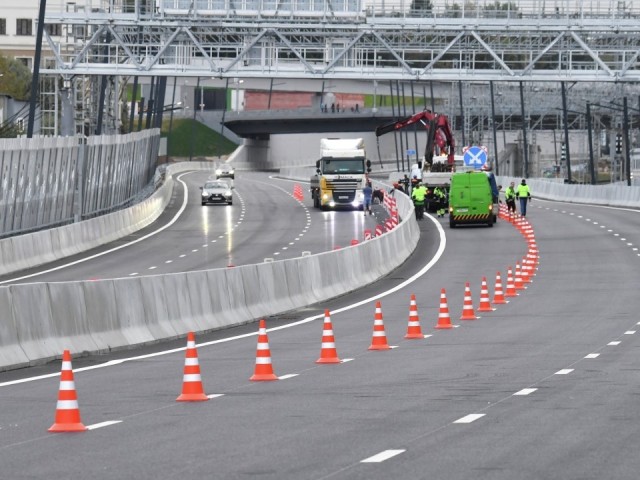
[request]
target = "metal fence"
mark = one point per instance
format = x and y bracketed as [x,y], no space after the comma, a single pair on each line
[51,181]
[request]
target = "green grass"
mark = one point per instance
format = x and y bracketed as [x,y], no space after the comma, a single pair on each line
[185,133]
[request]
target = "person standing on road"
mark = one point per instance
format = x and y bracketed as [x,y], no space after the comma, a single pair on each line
[510,197]
[367,191]
[524,194]
[418,194]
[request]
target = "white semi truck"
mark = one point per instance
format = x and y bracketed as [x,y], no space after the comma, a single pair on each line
[341,174]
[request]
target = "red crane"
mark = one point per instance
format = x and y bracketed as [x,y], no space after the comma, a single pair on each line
[438,134]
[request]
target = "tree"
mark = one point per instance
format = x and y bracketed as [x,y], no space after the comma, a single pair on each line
[15,80]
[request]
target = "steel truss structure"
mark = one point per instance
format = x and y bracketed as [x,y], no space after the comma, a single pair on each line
[530,41]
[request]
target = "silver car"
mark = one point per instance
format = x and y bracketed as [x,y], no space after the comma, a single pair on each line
[225,171]
[215,191]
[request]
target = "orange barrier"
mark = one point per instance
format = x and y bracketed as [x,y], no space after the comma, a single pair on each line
[328,352]
[67,410]
[192,388]
[467,308]
[444,320]
[485,303]
[264,369]
[518,283]
[379,340]
[413,328]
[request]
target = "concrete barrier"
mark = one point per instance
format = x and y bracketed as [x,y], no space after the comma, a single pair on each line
[95,316]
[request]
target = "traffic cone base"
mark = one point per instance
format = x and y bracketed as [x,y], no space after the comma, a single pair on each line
[263,377]
[192,397]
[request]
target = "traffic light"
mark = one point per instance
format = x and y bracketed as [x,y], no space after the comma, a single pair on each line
[618,143]
[563,153]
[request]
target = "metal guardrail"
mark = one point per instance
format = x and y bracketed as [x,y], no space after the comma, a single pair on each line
[52,181]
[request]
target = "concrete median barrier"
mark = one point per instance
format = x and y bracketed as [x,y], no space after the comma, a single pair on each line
[95,316]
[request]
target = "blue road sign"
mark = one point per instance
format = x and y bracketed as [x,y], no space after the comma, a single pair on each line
[411,152]
[475,157]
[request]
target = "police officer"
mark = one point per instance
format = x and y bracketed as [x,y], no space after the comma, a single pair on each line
[524,194]
[418,195]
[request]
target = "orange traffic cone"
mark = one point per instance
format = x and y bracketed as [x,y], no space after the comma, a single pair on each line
[413,329]
[498,295]
[485,303]
[264,369]
[467,309]
[511,288]
[328,353]
[444,320]
[379,340]
[67,411]
[192,389]
[518,283]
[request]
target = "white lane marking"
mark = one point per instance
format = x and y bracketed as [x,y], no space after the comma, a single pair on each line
[152,268]
[525,391]
[103,424]
[382,456]
[345,360]
[564,371]
[119,247]
[593,355]
[630,332]
[288,375]
[472,417]
[613,344]
[132,274]
[367,301]
[215,395]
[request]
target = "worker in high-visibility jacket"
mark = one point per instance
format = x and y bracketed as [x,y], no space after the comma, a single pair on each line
[524,194]
[441,198]
[418,194]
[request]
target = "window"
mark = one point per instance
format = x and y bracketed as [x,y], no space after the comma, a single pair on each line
[3,26]
[54,30]
[26,61]
[24,26]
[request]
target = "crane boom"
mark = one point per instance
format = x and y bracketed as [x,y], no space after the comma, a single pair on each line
[438,133]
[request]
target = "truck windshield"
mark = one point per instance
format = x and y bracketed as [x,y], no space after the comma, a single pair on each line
[352,165]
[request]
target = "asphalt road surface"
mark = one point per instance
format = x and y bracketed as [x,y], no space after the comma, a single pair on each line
[544,387]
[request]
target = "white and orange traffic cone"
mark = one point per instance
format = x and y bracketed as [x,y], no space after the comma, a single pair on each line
[518,283]
[511,287]
[444,319]
[67,410]
[264,369]
[379,340]
[498,294]
[467,309]
[192,388]
[328,352]
[413,328]
[485,303]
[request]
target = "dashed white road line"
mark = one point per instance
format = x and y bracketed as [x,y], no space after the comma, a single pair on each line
[615,343]
[472,417]
[382,456]
[103,424]
[592,355]
[525,391]
[564,371]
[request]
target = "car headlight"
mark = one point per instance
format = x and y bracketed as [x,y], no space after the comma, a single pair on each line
[218,171]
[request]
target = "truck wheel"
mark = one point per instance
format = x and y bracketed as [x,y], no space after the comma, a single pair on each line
[452,223]
[490,222]
[316,202]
